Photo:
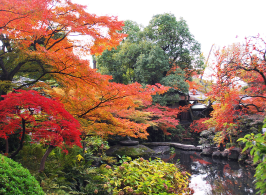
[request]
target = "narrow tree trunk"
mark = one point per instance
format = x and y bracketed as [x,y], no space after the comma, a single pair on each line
[50,148]
[94,64]
[7,146]
[83,147]
[21,140]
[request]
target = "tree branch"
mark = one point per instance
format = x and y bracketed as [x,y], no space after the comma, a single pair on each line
[21,140]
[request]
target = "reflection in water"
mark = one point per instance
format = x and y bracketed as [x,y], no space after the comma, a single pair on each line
[214,176]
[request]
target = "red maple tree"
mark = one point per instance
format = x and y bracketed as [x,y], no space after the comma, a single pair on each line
[235,65]
[44,119]
[165,117]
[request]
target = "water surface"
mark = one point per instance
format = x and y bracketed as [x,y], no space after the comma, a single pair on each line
[214,176]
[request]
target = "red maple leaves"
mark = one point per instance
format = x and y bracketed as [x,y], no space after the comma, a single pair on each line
[45,119]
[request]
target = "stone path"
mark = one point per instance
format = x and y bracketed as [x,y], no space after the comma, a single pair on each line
[175,145]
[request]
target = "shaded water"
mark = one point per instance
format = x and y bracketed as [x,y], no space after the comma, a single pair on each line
[214,176]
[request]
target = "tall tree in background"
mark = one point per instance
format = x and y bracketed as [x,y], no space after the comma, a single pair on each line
[147,55]
[175,40]
[135,60]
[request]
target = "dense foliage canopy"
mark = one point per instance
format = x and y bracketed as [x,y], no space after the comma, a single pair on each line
[146,55]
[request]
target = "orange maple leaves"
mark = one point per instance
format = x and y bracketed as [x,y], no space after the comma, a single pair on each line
[54,35]
[32,21]
[109,108]
[235,66]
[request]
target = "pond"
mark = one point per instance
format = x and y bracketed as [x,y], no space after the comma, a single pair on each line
[214,176]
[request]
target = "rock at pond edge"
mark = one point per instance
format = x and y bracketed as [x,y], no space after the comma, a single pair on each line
[132,151]
[129,143]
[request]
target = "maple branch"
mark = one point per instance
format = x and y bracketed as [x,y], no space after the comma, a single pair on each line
[101,102]
[16,69]
[3,66]
[89,25]
[260,96]
[54,33]
[58,41]
[31,83]
[48,72]
[72,46]
[11,21]
[72,10]
[247,105]
[256,70]
[21,139]
[3,10]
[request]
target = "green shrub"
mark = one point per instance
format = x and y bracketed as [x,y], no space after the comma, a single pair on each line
[96,145]
[146,177]
[14,179]
[30,156]
[64,173]
[258,151]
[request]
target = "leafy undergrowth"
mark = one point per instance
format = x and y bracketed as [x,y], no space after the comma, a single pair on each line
[147,177]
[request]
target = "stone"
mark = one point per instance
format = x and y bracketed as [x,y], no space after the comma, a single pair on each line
[186,147]
[207,151]
[216,154]
[242,157]
[129,143]
[224,154]
[132,151]
[157,143]
[234,153]
[175,145]
[161,149]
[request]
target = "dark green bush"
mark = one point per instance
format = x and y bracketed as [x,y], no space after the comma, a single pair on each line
[14,179]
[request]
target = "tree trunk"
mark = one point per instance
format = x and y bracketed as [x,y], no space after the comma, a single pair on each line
[21,140]
[7,146]
[94,64]
[50,148]
[2,92]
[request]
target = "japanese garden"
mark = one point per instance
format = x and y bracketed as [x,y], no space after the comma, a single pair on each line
[141,117]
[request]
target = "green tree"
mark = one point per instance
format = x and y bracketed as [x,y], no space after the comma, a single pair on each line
[176,41]
[142,62]
[147,55]
[150,64]
[133,30]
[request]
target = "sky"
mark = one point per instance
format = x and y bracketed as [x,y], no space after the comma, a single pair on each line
[210,21]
